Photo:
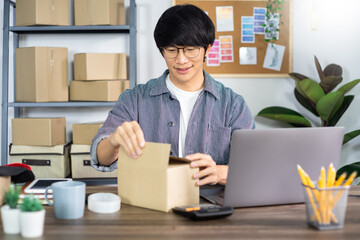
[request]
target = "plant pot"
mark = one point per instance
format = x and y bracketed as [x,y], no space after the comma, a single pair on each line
[10,219]
[32,223]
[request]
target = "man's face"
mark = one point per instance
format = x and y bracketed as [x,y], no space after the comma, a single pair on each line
[186,72]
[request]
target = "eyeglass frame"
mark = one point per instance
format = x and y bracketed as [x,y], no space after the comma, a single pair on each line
[178,49]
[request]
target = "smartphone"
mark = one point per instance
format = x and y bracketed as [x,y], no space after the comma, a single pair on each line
[39,185]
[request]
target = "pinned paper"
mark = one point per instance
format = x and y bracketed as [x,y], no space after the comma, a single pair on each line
[274,56]
[247,33]
[226,49]
[248,56]
[259,18]
[213,58]
[224,19]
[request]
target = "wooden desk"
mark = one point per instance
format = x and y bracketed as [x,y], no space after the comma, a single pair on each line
[274,222]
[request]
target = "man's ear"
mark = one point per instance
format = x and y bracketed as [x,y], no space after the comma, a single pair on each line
[207,51]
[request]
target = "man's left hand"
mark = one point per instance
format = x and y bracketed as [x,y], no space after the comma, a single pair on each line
[209,171]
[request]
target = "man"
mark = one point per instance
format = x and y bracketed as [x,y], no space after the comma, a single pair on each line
[184,107]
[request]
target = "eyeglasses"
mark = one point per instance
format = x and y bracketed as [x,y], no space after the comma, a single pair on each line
[172,52]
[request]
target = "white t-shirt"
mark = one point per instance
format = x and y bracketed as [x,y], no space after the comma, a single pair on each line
[187,101]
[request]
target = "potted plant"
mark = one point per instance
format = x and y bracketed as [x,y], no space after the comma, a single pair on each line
[322,100]
[10,212]
[32,217]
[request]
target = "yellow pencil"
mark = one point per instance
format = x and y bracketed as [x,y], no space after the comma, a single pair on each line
[340,180]
[351,178]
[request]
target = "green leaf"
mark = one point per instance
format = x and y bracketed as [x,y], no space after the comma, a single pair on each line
[350,135]
[349,169]
[328,83]
[344,106]
[310,89]
[329,104]
[318,68]
[297,76]
[285,115]
[305,102]
[347,87]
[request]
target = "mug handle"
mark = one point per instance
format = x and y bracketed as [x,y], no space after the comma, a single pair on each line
[46,196]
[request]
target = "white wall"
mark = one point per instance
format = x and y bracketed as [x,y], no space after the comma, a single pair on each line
[335,41]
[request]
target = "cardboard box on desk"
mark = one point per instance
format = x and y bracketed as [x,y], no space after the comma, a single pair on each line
[83,133]
[38,131]
[42,74]
[42,12]
[156,181]
[99,12]
[100,66]
[107,91]
[45,162]
[80,164]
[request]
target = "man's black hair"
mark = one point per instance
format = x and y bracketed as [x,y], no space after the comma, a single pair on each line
[184,25]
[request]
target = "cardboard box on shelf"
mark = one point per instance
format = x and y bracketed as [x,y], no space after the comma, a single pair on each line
[80,164]
[156,181]
[100,66]
[99,12]
[107,91]
[42,12]
[42,74]
[38,131]
[45,162]
[83,133]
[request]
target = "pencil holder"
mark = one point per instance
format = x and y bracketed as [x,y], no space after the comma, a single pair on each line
[326,207]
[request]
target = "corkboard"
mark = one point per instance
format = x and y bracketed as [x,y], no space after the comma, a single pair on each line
[245,8]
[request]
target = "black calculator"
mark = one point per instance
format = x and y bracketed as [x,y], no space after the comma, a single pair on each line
[204,211]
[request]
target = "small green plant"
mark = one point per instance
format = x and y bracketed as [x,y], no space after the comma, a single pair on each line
[12,196]
[31,204]
[273,16]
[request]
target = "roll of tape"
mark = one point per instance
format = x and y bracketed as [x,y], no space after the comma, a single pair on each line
[104,202]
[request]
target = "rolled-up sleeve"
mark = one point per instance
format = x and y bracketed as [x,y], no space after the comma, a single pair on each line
[123,111]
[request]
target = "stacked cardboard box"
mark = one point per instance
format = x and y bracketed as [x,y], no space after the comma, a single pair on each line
[99,12]
[41,143]
[42,12]
[42,74]
[98,76]
[83,133]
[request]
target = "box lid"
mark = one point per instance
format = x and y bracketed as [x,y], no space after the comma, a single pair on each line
[155,156]
[37,150]
[77,149]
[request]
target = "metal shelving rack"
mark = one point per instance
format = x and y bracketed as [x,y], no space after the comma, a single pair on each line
[8,29]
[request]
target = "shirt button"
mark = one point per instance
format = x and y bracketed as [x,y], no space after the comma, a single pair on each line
[171,124]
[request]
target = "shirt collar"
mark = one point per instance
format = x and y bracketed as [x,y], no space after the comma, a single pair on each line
[159,86]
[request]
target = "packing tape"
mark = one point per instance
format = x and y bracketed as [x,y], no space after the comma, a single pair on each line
[104,202]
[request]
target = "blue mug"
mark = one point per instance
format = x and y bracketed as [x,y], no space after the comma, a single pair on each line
[68,199]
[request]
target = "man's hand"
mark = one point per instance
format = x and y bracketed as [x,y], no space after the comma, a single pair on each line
[209,171]
[130,137]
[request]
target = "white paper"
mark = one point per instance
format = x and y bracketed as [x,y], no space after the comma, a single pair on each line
[224,19]
[274,56]
[248,55]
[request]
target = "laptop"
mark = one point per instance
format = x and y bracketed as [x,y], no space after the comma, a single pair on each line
[263,164]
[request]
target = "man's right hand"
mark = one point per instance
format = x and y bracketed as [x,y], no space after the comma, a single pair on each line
[130,137]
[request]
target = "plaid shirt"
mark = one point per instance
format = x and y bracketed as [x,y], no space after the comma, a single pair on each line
[218,111]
